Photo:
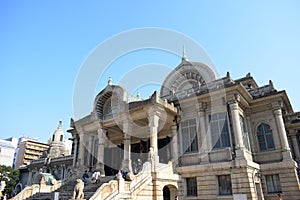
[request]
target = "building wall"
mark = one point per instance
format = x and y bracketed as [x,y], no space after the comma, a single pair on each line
[7,155]
[206,169]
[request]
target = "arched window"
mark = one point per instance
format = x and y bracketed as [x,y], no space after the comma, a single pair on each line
[265,137]
[61,138]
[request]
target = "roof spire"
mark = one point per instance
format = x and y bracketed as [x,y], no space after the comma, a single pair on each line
[184,57]
[110,81]
[60,124]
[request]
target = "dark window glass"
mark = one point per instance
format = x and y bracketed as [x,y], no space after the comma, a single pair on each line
[265,138]
[189,135]
[245,133]
[219,130]
[225,187]
[273,183]
[191,186]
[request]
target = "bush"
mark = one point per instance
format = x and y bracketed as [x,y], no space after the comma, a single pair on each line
[11,178]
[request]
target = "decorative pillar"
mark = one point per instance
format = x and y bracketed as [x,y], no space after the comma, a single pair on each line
[29,177]
[281,129]
[250,132]
[237,129]
[204,138]
[236,124]
[101,145]
[174,142]
[295,145]
[127,129]
[89,152]
[286,153]
[62,168]
[75,156]
[81,151]
[153,127]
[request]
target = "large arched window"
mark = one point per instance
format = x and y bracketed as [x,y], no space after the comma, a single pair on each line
[265,137]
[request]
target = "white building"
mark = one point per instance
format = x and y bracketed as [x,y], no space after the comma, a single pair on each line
[206,138]
[7,153]
[202,137]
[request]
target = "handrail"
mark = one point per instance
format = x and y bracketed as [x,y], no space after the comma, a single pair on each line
[112,186]
[113,190]
[29,191]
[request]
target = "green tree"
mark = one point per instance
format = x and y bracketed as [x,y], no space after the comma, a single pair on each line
[10,176]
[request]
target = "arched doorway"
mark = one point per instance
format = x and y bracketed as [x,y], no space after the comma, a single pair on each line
[170,192]
[166,193]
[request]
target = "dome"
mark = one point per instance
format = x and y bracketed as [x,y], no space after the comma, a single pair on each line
[185,76]
[58,135]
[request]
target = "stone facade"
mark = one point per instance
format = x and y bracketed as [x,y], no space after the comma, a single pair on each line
[224,138]
[200,138]
[55,160]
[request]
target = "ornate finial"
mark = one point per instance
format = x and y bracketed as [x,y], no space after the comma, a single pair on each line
[138,95]
[184,57]
[110,81]
[60,124]
[271,85]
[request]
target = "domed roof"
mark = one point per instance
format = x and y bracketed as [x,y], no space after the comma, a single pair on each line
[112,96]
[58,135]
[186,75]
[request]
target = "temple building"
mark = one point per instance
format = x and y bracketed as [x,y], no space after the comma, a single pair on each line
[200,137]
[205,138]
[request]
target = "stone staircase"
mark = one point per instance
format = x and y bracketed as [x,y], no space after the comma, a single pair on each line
[66,191]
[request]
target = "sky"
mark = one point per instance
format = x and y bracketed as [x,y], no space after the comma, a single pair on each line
[44,45]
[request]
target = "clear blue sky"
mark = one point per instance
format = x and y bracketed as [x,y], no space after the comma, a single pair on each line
[43,44]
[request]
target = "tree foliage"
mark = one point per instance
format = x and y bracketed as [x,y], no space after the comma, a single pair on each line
[10,176]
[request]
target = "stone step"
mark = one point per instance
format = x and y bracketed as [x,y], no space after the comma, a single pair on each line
[66,191]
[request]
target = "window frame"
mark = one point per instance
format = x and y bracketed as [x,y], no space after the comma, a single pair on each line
[220,133]
[228,185]
[189,143]
[263,134]
[273,184]
[191,187]
[245,132]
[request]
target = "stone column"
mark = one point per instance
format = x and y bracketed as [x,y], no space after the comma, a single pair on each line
[250,132]
[101,145]
[295,145]
[81,151]
[89,152]
[29,177]
[204,138]
[153,127]
[174,142]
[281,129]
[62,168]
[237,129]
[75,156]
[286,153]
[236,124]
[127,129]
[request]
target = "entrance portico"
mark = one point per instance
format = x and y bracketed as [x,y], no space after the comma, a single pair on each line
[112,129]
